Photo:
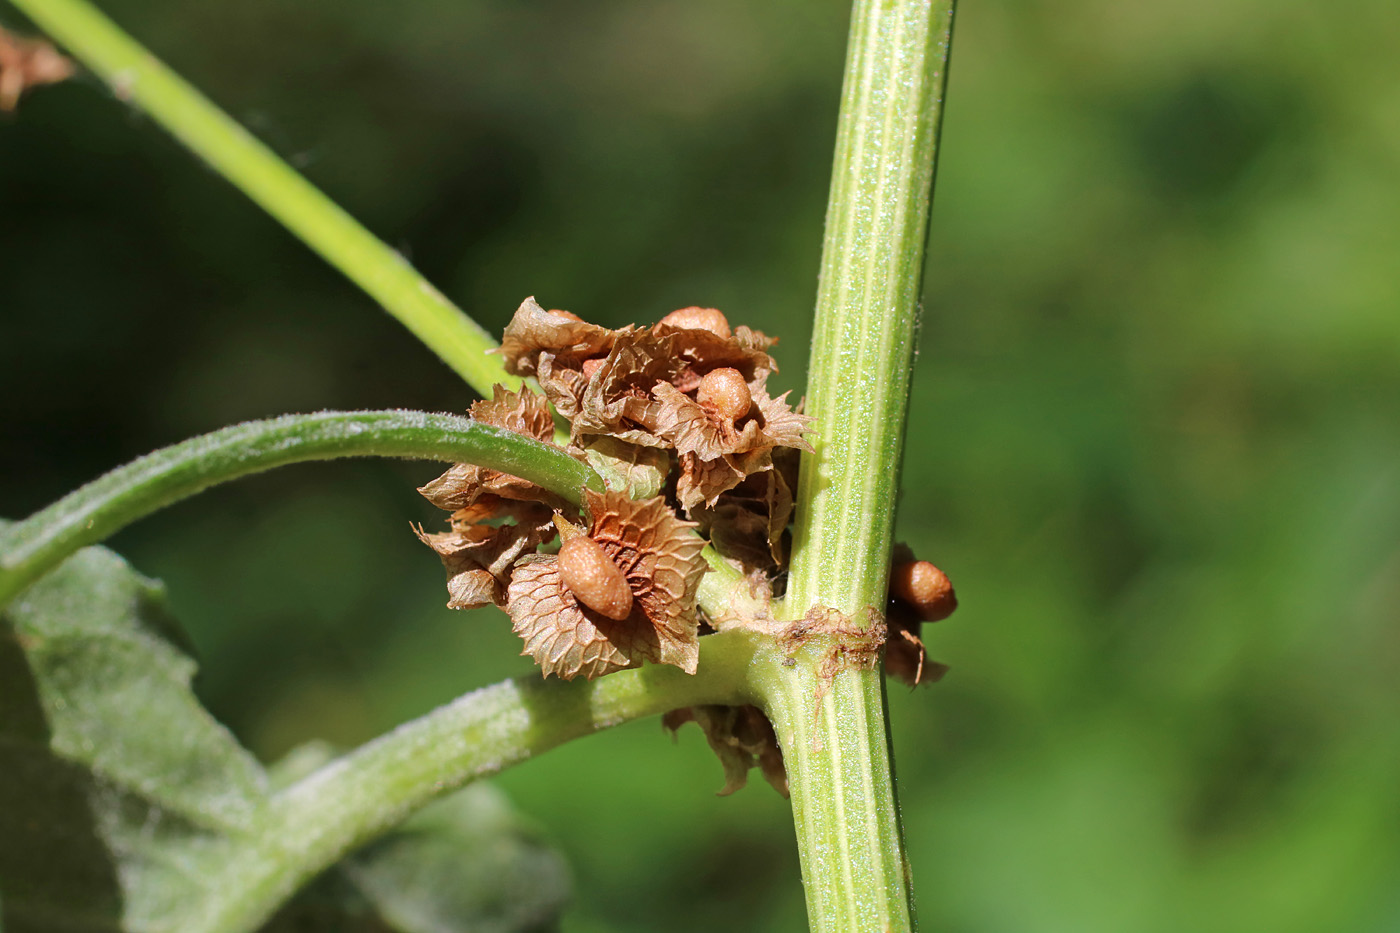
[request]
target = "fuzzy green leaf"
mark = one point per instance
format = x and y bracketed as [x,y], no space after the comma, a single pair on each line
[120,795]
[114,781]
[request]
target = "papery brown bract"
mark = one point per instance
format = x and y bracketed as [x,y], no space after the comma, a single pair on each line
[563,637]
[496,517]
[691,427]
[746,524]
[658,554]
[619,399]
[523,412]
[741,737]
[702,481]
[906,658]
[479,557]
[557,348]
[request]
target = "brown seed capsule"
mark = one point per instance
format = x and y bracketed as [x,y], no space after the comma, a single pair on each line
[594,579]
[726,392]
[926,589]
[710,319]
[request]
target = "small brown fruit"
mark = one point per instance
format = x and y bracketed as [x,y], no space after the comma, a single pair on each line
[924,588]
[726,392]
[594,579]
[710,319]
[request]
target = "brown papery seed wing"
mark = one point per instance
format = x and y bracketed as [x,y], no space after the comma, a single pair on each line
[660,555]
[523,412]
[534,330]
[561,638]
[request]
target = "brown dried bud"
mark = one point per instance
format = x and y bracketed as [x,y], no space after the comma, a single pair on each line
[594,579]
[726,392]
[694,318]
[924,588]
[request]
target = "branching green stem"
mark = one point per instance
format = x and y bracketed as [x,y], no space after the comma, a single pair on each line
[137,76]
[832,728]
[110,503]
[314,823]
[837,748]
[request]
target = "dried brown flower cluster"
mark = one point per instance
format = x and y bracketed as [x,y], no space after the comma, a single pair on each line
[687,395]
[671,415]
[28,63]
[620,590]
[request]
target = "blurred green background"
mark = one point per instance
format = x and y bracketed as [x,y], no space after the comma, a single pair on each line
[1155,434]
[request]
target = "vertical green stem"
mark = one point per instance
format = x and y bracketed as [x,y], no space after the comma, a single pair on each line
[867,308]
[138,76]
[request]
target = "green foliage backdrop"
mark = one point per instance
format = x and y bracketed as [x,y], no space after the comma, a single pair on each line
[1155,438]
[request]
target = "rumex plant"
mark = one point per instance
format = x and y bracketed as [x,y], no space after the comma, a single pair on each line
[626,495]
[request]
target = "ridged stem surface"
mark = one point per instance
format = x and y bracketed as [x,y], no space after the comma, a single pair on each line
[833,726]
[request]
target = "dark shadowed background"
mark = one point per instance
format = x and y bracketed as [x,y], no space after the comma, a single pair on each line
[1155,435]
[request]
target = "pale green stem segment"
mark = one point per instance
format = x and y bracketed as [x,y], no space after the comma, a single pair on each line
[137,76]
[106,505]
[314,823]
[867,308]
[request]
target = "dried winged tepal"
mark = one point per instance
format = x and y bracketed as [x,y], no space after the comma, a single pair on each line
[618,399]
[523,412]
[28,63]
[560,349]
[564,605]
[718,451]
[479,556]
[496,518]
[747,522]
[741,737]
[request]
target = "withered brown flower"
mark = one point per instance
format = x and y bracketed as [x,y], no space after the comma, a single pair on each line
[747,522]
[691,384]
[741,737]
[496,518]
[560,349]
[658,555]
[619,398]
[28,63]
[478,556]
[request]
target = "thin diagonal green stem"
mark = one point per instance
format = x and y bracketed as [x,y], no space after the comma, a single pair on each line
[36,545]
[137,76]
